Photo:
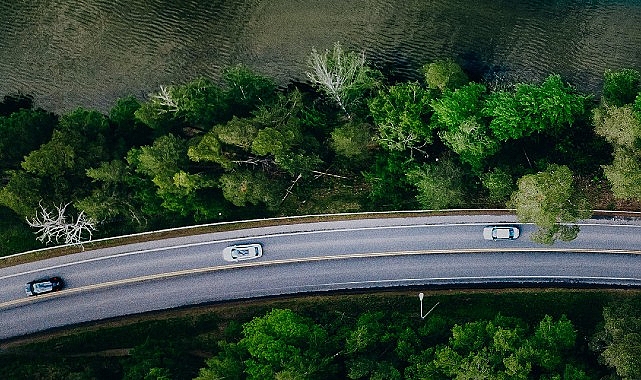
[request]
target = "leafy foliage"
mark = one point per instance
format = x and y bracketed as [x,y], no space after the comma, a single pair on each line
[247,90]
[501,349]
[499,183]
[620,87]
[549,108]
[205,150]
[283,344]
[624,174]
[439,185]
[620,126]
[22,132]
[401,114]
[549,200]
[353,140]
[243,187]
[464,129]
[165,163]
[55,172]
[444,75]
[619,339]
[390,188]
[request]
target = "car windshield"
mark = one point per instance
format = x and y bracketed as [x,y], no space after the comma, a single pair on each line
[239,252]
[42,287]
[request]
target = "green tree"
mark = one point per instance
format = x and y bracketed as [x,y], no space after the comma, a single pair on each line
[227,364]
[151,360]
[503,348]
[551,339]
[166,164]
[113,198]
[22,193]
[208,148]
[619,340]
[444,75]
[353,140]
[127,130]
[283,344]
[440,185]
[201,103]
[456,107]
[161,160]
[274,137]
[401,114]
[198,104]
[550,200]
[499,183]
[624,174]
[620,87]
[374,349]
[239,132]
[462,126]
[549,107]
[55,172]
[254,187]
[472,141]
[620,126]
[246,90]
[21,132]
[277,141]
[390,188]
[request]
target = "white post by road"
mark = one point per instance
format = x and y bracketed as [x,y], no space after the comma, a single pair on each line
[420,297]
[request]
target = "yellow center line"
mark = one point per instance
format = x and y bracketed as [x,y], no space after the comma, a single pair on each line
[304,260]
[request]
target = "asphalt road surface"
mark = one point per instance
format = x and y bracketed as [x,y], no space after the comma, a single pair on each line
[316,257]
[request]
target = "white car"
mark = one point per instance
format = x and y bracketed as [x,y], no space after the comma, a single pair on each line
[500,233]
[243,252]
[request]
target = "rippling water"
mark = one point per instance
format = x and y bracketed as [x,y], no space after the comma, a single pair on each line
[71,53]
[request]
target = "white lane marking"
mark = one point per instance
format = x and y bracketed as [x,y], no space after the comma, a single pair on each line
[267,236]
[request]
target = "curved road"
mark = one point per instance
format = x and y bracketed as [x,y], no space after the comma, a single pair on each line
[421,251]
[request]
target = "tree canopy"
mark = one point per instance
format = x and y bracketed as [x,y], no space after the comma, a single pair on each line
[550,200]
[401,114]
[619,339]
[240,146]
[549,107]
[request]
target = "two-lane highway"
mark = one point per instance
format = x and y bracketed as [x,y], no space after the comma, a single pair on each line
[311,257]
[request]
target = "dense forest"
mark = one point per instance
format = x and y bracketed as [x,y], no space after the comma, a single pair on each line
[542,335]
[348,140]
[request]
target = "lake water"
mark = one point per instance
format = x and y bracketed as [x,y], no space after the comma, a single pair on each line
[70,53]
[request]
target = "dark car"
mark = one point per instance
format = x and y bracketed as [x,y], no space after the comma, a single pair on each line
[44,285]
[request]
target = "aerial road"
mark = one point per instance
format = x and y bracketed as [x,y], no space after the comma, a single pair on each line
[421,252]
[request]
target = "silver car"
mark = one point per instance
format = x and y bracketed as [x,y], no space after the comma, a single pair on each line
[501,233]
[243,252]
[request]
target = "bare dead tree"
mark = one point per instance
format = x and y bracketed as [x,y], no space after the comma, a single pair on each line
[289,189]
[326,173]
[336,72]
[165,99]
[55,226]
